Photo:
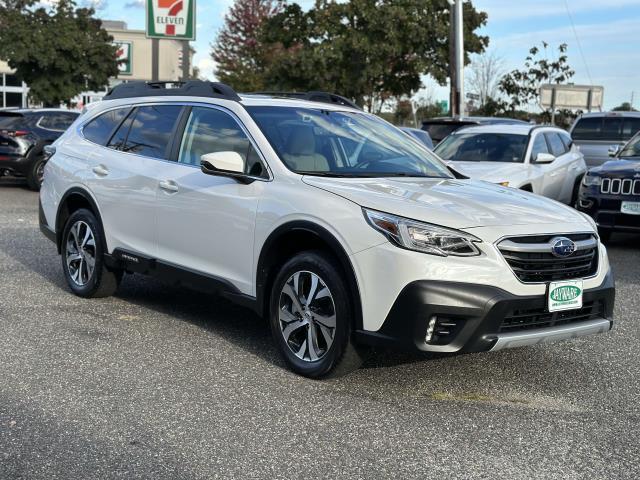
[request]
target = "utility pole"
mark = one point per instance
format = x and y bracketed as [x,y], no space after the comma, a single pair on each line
[453,92]
[460,58]
[186,60]
[155,59]
[456,58]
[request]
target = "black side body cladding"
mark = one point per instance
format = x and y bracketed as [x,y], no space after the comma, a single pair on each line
[265,271]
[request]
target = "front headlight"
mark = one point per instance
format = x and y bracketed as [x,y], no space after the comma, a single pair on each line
[503,184]
[423,237]
[591,180]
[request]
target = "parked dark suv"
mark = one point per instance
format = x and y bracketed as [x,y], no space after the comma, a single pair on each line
[610,193]
[23,135]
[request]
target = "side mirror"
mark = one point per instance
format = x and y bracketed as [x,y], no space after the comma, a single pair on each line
[227,164]
[544,158]
[614,150]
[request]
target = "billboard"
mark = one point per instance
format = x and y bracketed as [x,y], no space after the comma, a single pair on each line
[585,97]
[123,56]
[171,19]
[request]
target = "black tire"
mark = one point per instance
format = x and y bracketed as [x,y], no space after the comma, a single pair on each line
[605,235]
[575,193]
[36,172]
[102,282]
[342,356]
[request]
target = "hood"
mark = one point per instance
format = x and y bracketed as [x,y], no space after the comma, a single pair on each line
[628,167]
[494,172]
[449,202]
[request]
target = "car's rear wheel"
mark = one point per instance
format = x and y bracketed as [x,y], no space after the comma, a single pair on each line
[83,247]
[311,316]
[36,173]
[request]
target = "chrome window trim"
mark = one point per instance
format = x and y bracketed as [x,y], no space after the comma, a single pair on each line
[564,234]
[184,104]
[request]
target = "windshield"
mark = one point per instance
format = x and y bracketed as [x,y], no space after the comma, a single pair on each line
[343,144]
[631,149]
[483,147]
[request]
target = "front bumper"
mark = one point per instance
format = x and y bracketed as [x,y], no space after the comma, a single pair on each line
[605,210]
[481,318]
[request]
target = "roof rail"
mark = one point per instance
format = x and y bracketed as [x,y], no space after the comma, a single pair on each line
[192,88]
[314,96]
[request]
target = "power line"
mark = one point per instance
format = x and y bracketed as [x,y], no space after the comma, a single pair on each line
[575,34]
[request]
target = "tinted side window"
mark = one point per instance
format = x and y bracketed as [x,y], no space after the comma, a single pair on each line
[119,138]
[208,131]
[612,128]
[588,129]
[99,129]
[630,126]
[556,145]
[151,130]
[539,146]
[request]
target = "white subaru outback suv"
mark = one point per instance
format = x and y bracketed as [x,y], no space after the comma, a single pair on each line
[325,219]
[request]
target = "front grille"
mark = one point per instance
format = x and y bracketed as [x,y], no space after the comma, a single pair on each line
[620,186]
[531,259]
[532,318]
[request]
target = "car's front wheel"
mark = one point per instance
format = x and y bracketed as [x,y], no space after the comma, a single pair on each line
[311,316]
[83,247]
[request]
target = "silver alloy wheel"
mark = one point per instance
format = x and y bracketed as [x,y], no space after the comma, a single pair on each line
[81,253]
[307,316]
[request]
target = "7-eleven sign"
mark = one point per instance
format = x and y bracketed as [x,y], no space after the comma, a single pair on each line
[171,19]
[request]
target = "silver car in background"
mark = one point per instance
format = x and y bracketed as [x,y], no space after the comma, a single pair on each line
[598,135]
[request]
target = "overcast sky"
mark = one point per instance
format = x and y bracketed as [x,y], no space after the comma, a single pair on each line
[607,30]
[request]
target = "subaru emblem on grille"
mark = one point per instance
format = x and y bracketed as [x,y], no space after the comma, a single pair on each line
[563,247]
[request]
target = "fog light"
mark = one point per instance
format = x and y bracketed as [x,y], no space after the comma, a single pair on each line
[586,203]
[430,329]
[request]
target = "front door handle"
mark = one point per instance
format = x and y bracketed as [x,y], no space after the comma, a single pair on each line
[101,170]
[168,186]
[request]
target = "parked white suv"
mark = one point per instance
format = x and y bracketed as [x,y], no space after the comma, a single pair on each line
[539,159]
[327,220]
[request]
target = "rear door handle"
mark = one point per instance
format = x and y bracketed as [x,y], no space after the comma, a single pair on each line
[101,170]
[168,186]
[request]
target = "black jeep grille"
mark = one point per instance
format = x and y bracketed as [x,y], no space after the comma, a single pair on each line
[531,259]
[532,318]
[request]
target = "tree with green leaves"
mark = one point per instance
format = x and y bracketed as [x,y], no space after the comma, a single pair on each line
[239,54]
[367,50]
[624,107]
[522,87]
[58,51]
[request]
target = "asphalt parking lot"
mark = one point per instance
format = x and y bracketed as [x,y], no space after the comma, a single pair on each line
[161,382]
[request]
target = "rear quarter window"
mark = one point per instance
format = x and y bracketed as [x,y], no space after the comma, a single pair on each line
[100,129]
